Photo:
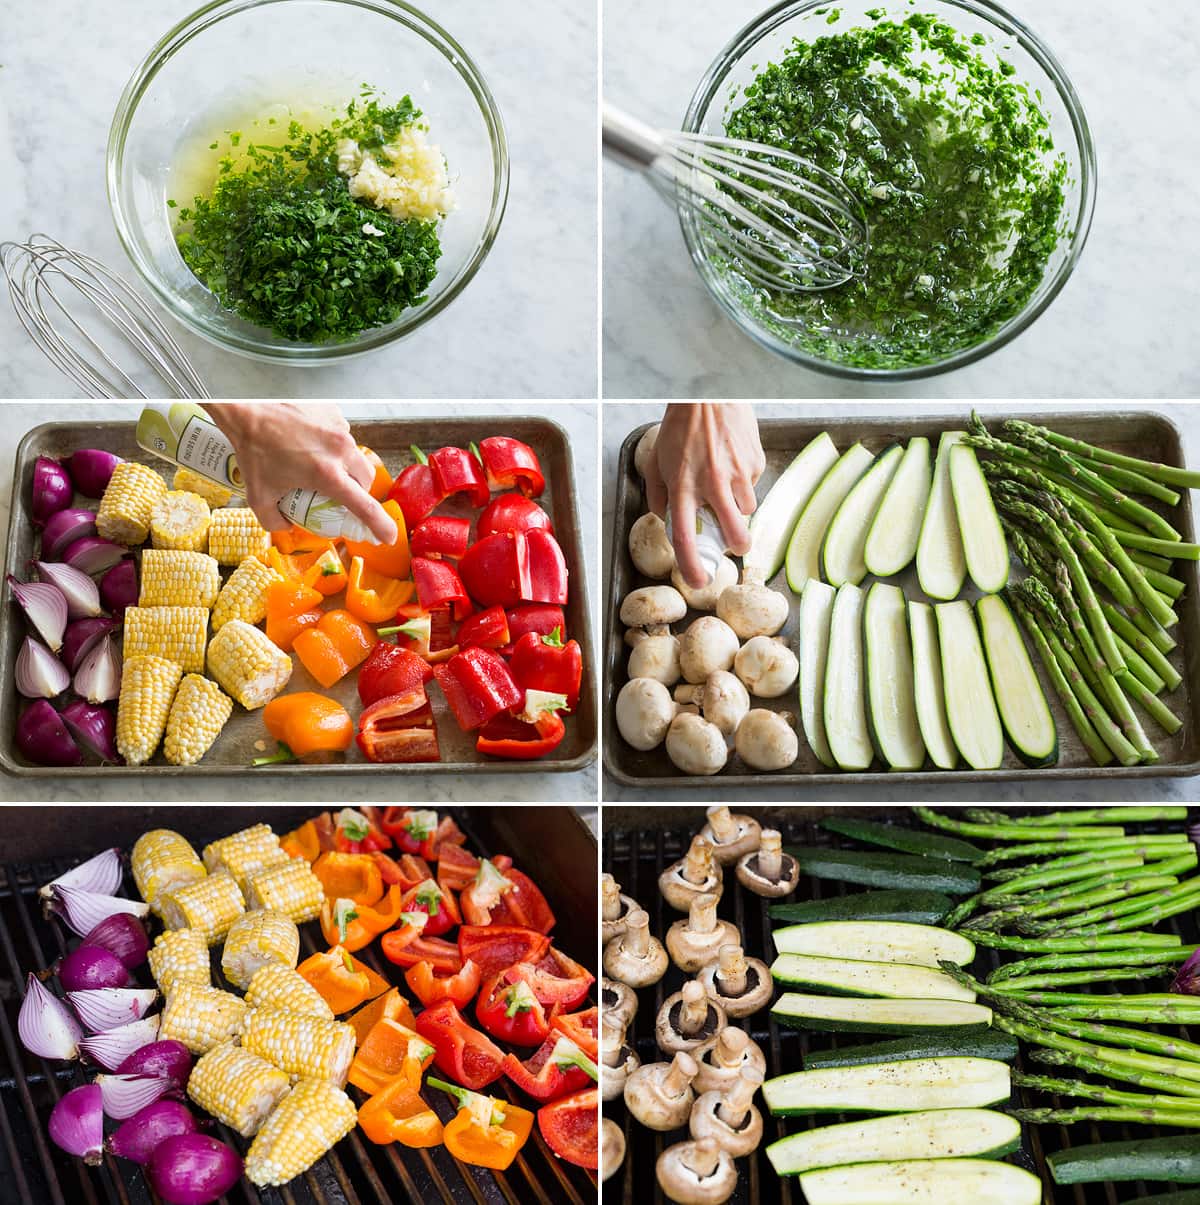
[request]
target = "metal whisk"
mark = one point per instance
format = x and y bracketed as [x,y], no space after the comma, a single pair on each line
[786,223]
[82,317]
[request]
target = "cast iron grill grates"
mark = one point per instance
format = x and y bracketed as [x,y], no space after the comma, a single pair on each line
[355,1172]
[637,856]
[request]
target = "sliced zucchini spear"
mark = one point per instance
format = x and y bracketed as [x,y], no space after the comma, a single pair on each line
[892,540]
[891,703]
[984,546]
[927,687]
[970,705]
[842,551]
[816,608]
[844,699]
[919,1181]
[941,566]
[1023,709]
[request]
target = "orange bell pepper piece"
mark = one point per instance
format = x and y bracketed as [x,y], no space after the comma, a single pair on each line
[291,607]
[372,597]
[382,482]
[303,842]
[324,571]
[392,560]
[338,644]
[377,985]
[309,724]
[397,1113]
[391,1051]
[390,1006]
[333,974]
[354,926]
[350,876]
[296,539]
[485,1131]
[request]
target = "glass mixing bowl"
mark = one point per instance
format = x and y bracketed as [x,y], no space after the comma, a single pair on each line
[239,57]
[766,39]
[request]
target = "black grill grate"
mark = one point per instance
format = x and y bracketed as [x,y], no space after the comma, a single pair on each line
[636,856]
[355,1172]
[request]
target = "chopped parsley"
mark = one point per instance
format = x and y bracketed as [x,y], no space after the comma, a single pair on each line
[282,242]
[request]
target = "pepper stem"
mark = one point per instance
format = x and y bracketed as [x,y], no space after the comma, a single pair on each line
[282,754]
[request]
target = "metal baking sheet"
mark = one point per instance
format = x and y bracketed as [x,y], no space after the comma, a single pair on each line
[244,737]
[1138,433]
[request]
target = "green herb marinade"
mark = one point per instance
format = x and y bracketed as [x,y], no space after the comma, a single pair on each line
[281,240]
[953,162]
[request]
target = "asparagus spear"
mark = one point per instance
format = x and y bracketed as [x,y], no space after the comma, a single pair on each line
[1133,482]
[1135,1014]
[1130,1116]
[1078,942]
[1015,833]
[1148,560]
[1138,666]
[1114,958]
[1110,911]
[1099,1092]
[1105,816]
[1087,858]
[1155,708]
[1173,1084]
[1030,983]
[1010,853]
[1164,547]
[1182,898]
[1160,579]
[1067,905]
[1065,874]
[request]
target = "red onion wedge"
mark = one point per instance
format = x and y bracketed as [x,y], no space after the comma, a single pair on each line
[193,1169]
[63,528]
[89,967]
[93,555]
[81,636]
[123,934]
[166,1059]
[38,673]
[90,469]
[77,1124]
[112,1048]
[98,678]
[52,488]
[82,594]
[124,1095]
[139,1137]
[104,1008]
[46,1025]
[45,607]
[119,587]
[100,873]
[43,738]
[95,728]
[84,910]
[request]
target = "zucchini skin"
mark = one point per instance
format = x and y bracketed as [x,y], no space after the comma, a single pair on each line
[1189,1196]
[1174,1159]
[851,1023]
[981,1044]
[916,907]
[905,840]
[873,869]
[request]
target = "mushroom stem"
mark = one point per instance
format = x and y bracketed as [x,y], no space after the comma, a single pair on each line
[679,1075]
[697,862]
[612,1041]
[702,917]
[724,826]
[731,1047]
[703,1157]
[693,1010]
[731,971]
[610,895]
[739,1100]
[770,853]
[637,933]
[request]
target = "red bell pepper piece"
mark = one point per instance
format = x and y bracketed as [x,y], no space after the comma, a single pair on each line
[429,988]
[442,956]
[509,462]
[546,663]
[495,570]
[477,685]
[529,734]
[389,869]
[437,903]
[441,536]
[485,629]
[481,898]
[497,947]
[469,1057]
[523,904]
[438,585]
[391,670]
[457,471]
[547,568]
[571,1128]
[411,828]
[429,634]
[357,833]
[554,978]
[542,618]
[510,1012]
[399,729]
[415,490]
[457,867]
[583,1028]
[511,512]
[557,1067]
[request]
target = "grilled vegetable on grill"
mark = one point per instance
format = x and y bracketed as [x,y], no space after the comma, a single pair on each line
[313,1117]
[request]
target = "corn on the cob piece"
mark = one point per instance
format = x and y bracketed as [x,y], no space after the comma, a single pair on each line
[237,1087]
[180,521]
[256,939]
[128,503]
[177,633]
[247,664]
[161,861]
[244,595]
[243,862]
[235,533]
[257,835]
[291,888]
[209,906]
[179,957]
[300,1044]
[148,685]
[178,579]
[274,985]
[312,1119]
[201,1017]
[212,493]
[197,716]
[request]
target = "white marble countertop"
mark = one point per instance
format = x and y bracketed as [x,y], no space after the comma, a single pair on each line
[525,327]
[579,420]
[620,419]
[1121,326]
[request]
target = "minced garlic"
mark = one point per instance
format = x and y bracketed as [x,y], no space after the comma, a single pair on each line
[409,180]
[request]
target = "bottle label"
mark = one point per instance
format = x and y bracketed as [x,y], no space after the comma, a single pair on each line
[182,433]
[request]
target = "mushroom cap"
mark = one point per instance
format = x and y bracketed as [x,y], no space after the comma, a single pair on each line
[618,999]
[648,605]
[649,548]
[667,1030]
[708,644]
[645,449]
[767,666]
[612,1147]
[724,701]
[757,995]
[656,657]
[646,1099]
[752,878]
[679,892]
[621,963]
[690,950]
[766,741]
[711,1074]
[705,1122]
[705,598]
[681,1184]
[644,711]
[748,830]
[694,745]
[753,609]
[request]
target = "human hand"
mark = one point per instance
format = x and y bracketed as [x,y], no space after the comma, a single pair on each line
[706,453]
[284,446]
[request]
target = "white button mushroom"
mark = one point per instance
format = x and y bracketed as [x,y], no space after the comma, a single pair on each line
[722,700]
[753,608]
[649,548]
[694,745]
[614,907]
[612,1146]
[660,1095]
[646,448]
[635,957]
[766,740]
[705,598]
[766,665]
[648,606]
[618,1058]
[696,940]
[709,644]
[696,1173]
[688,1019]
[740,985]
[730,1118]
[721,1059]
[768,871]
[645,710]
[655,654]
[731,834]
[696,873]
[618,1001]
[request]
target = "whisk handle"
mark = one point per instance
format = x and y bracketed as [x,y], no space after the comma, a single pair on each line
[628,140]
